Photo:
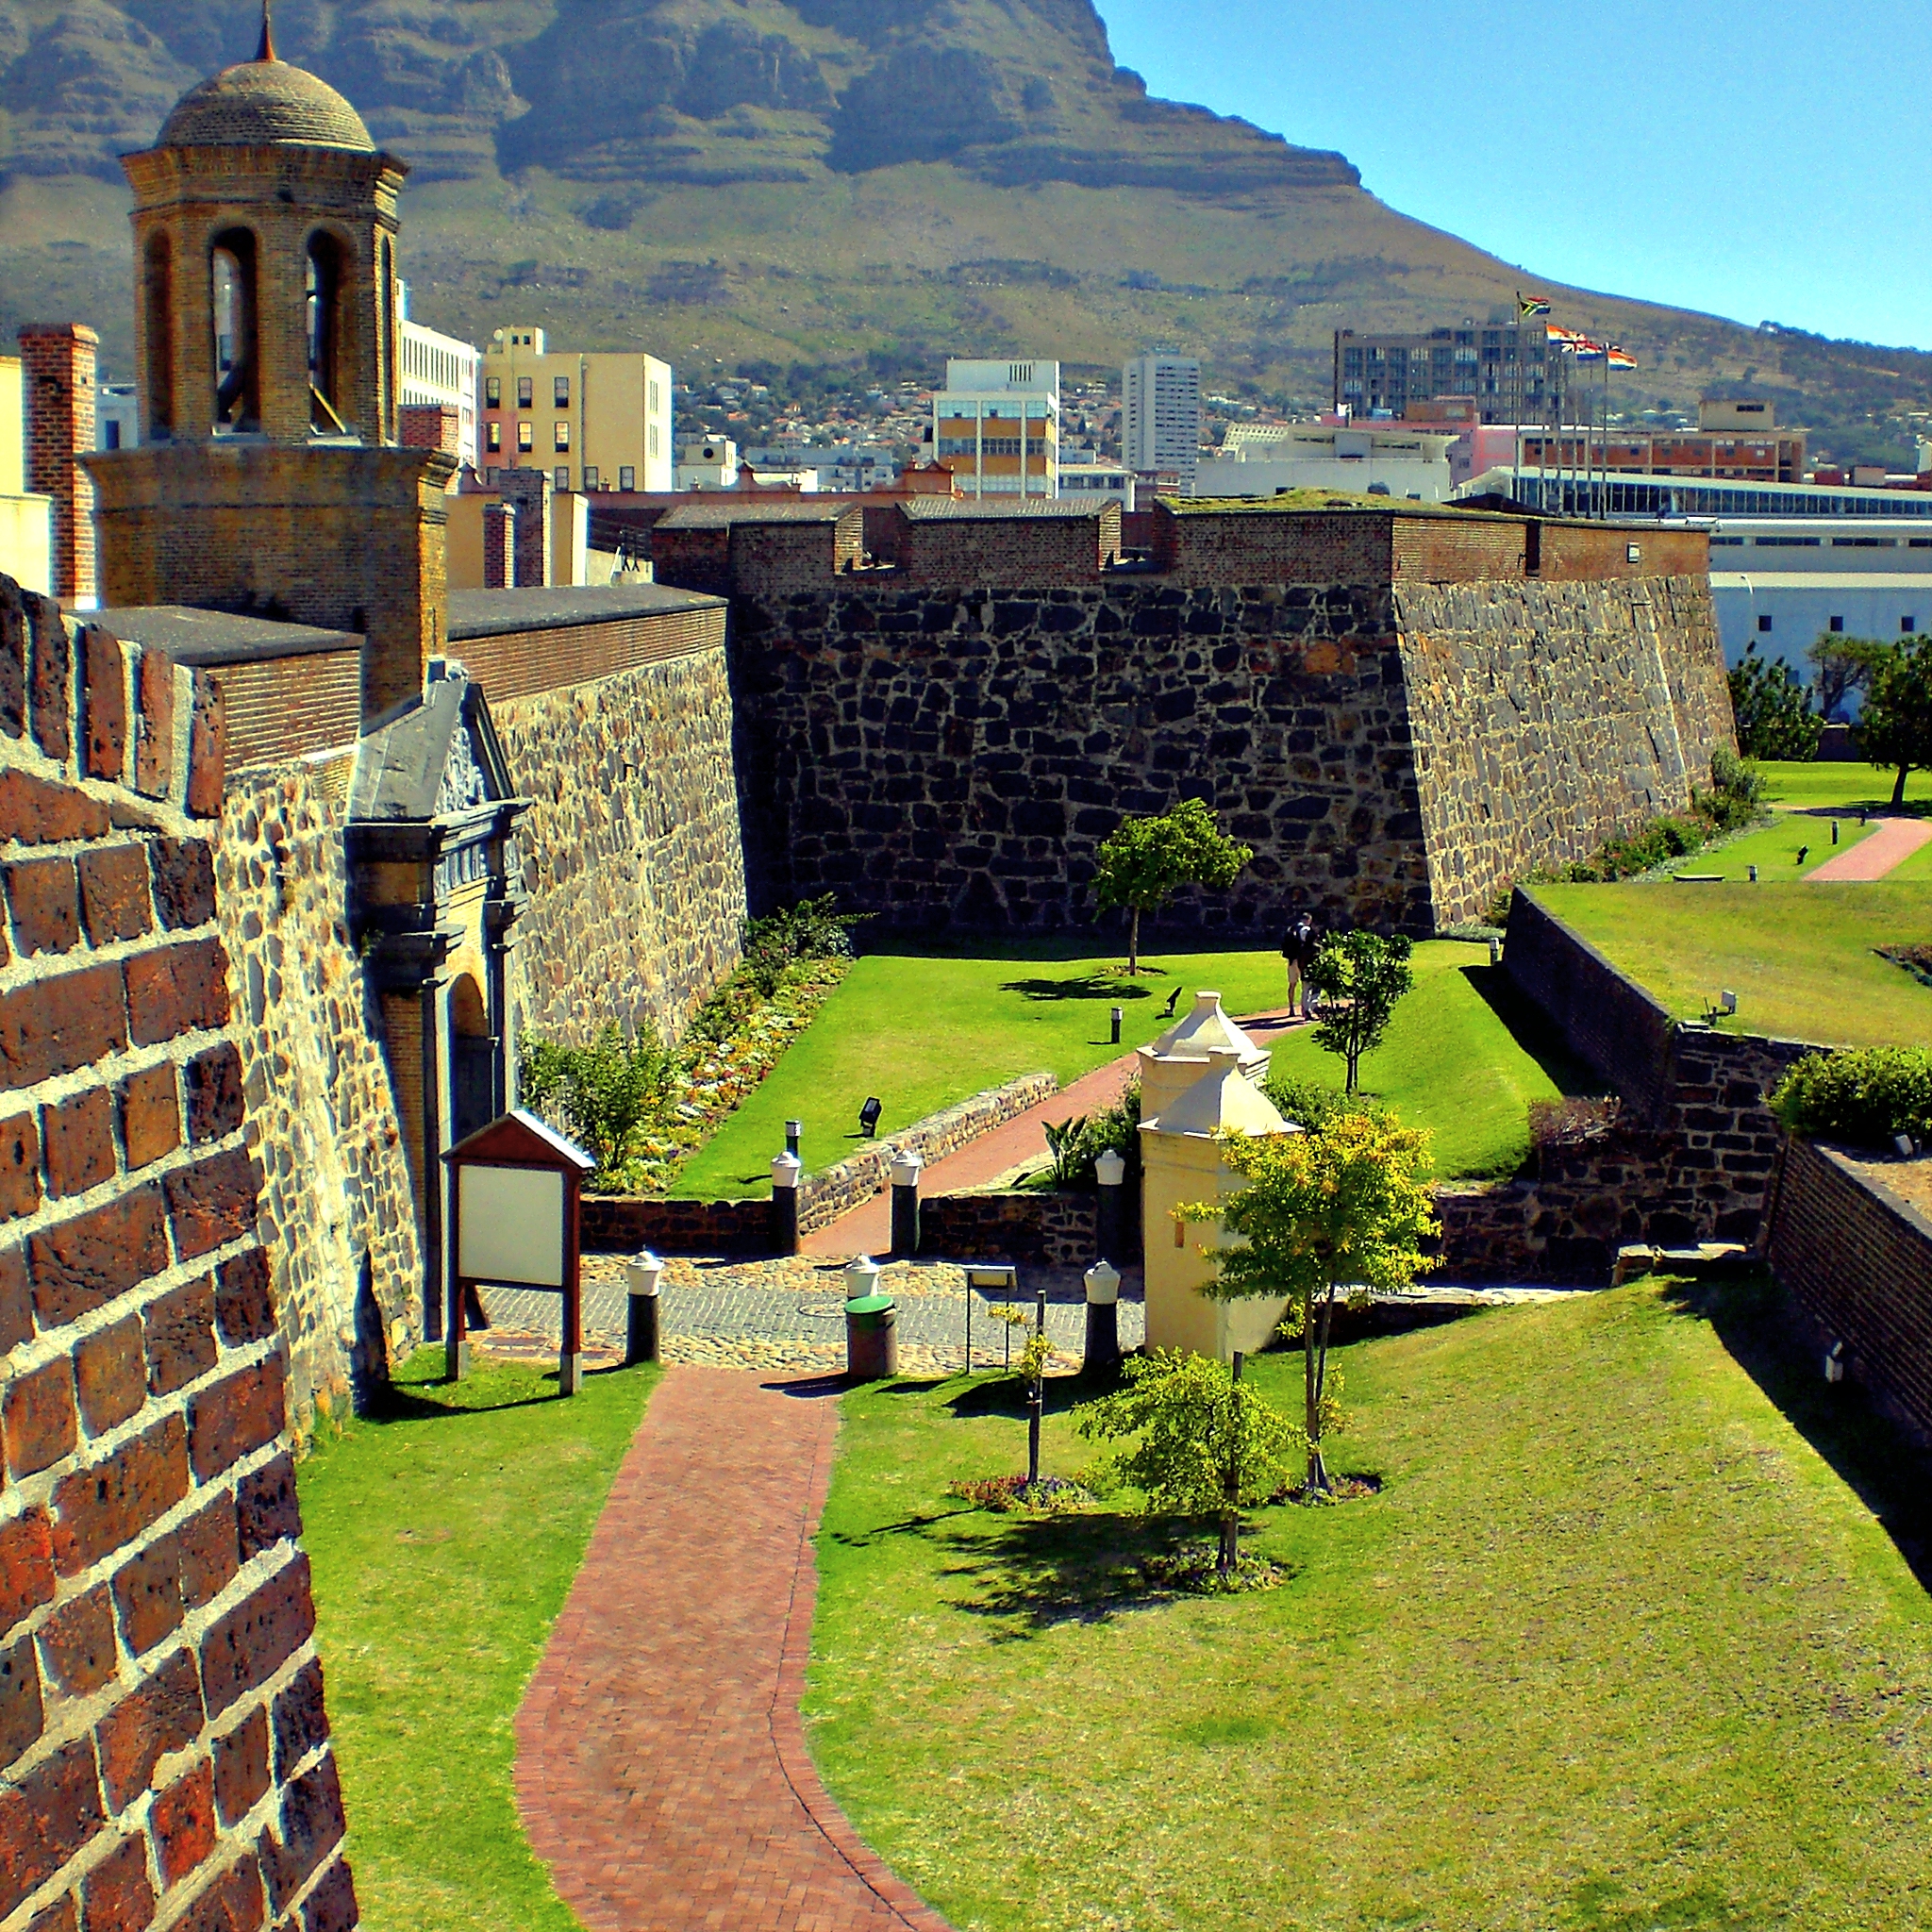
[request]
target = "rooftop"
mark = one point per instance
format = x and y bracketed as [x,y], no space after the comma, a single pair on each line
[264,103]
[209,638]
[713,513]
[490,613]
[926,510]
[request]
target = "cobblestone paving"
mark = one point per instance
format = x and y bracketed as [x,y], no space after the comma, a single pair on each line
[790,1314]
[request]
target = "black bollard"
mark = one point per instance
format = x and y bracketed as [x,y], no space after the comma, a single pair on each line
[785,1174]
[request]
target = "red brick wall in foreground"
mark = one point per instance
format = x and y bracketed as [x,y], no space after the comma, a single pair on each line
[164,1753]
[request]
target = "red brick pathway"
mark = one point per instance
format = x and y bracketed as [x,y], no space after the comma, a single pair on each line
[661,1770]
[1872,857]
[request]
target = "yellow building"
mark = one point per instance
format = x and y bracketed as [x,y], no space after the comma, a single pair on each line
[996,425]
[27,527]
[595,421]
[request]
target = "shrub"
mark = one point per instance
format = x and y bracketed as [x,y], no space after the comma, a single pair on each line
[812,929]
[1310,1104]
[1077,1144]
[1568,1122]
[602,1096]
[1867,1097]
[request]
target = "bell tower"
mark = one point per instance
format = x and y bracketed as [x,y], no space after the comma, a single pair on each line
[268,478]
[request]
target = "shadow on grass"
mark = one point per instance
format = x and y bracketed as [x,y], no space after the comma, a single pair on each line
[1532,1030]
[1763,1333]
[1083,986]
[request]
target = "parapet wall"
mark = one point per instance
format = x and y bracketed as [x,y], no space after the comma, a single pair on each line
[164,1752]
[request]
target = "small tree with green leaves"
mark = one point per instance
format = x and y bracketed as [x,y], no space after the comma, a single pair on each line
[1202,1442]
[1840,666]
[1357,976]
[1337,1213]
[1145,861]
[602,1096]
[1773,710]
[1895,725]
[1030,1366]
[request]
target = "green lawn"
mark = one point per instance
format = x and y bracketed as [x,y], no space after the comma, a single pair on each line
[1919,866]
[444,1539]
[922,1031]
[1834,783]
[1614,1649]
[1799,957]
[1773,849]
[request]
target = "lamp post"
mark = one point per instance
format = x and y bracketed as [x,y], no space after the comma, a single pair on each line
[1110,1171]
[1103,1315]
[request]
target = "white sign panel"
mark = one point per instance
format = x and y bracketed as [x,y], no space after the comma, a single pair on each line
[510,1225]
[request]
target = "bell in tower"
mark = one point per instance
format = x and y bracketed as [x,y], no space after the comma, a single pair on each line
[268,479]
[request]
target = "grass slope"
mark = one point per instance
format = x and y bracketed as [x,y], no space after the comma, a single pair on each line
[922,1031]
[443,1537]
[1799,956]
[1832,783]
[1615,1650]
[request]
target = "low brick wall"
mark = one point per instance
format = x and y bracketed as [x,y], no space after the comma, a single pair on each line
[1857,1258]
[837,1189]
[1040,1230]
[625,1223]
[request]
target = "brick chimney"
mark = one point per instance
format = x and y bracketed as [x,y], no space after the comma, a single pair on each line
[58,363]
[429,426]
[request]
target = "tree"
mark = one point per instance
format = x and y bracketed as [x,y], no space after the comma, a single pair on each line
[1895,725]
[1771,708]
[1339,1211]
[602,1096]
[1840,666]
[1205,1442]
[1359,975]
[1144,860]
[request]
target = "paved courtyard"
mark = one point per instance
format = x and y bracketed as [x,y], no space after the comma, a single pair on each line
[790,1314]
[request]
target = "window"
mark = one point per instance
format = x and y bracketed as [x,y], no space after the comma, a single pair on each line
[561,429]
[112,429]
[157,296]
[561,388]
[654,440]
[527,437]
[1838,624]
[1764,624]
[1908,625]
[524,392]
[231,290]
[493,437]
[655,404]
[626,477]
[323,290]
[560,476]
[492,392]
[590,476]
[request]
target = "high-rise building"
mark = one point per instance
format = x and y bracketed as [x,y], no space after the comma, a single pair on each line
[1504,365]
[996,425]
[594,421]
[1160,416]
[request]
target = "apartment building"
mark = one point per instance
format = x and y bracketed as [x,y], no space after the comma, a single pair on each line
[1505,367]
[595,421]
[26,517]
[1160,416]
[1737,440]
[433,368]
[996,427]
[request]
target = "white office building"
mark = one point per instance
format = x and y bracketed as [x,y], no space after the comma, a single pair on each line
[996,425]
[117,416]
[1160,416]
[436,368]
[1091,482]
[1781,583]
[1368,460]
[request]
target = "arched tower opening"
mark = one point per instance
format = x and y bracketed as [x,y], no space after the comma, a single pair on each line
[234,310]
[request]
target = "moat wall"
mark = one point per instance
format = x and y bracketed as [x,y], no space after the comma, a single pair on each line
[1396,753]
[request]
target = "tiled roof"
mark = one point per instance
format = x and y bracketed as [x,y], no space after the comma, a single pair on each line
[260,102]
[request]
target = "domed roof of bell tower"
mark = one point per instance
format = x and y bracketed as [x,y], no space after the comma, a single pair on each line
[263,102]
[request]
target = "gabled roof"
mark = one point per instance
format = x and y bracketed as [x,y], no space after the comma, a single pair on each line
[520,1139]
[400,768]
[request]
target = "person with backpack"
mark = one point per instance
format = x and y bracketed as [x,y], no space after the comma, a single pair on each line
[1299,951]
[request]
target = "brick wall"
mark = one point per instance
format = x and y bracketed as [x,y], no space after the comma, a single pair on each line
[431,425]
[623,1223]
[164,1749]
[61,399]
[1038,1230]
[1857,1258]
[285,708]
[529,491]
[1264,546]
[956,551]
[518,664]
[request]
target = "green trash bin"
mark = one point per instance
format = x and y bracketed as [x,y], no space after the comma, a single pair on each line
[872,1337]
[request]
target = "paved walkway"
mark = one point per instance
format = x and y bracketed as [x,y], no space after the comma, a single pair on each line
[662,1770]
[867,1229]
[1893,842]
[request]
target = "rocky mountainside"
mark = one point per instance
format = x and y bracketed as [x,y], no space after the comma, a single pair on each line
[729,181]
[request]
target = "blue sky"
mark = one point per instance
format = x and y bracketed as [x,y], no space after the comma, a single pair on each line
[1764,161]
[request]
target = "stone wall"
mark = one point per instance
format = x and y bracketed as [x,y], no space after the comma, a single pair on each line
[632,856]
[338,1212]
[1393,753]
[1033,1229]
[1548,717]
[164,1751]
[1857,1258]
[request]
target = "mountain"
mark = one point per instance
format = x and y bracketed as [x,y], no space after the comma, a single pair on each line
[725,181]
